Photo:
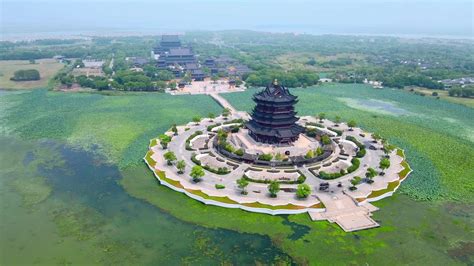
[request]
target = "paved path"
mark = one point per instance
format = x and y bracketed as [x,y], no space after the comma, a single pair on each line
[223,102]
[341,209]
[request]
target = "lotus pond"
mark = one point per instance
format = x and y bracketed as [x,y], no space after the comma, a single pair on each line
[75,191]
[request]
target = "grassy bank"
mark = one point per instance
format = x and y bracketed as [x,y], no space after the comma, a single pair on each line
[46,67]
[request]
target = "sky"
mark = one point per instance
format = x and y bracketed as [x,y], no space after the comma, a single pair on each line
[378,17]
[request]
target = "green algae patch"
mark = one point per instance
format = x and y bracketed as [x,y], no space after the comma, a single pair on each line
[79,222]
[33,190]
[138,182]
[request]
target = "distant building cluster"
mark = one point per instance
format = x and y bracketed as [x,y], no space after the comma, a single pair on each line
[172,55]
[93,63]
[227,65]
[460,81]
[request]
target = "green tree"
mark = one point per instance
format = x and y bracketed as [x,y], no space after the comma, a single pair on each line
[355,181]
[242,183]
[376,136]
[319,151]
[164,140]
[338,120]
[181,165]
[226,112]
[211,116]
[172,85]
[214,78]
[303,191]
[325,139]
[351,124]
[384,164]
[239,152]
[26,75]
[238,82]
[309,154]
[273,188]
[371,173]
[170,157]
[174,129]
[197,173]
[196,120]
[78,63]
[321,116]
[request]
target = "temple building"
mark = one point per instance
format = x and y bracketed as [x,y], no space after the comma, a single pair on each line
[274,117]
[170,54]
[167,42]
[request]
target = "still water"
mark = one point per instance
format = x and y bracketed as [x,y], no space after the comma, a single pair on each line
[61,205]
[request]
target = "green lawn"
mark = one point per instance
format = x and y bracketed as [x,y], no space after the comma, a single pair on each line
[46,67]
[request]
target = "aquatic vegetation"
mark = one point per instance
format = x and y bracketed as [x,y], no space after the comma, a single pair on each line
[33,190]
[438,153]
[118,126]
[136,231]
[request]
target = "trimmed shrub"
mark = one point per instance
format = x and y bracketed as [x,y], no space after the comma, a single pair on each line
[325,139]
[303,191]
[338,132]
[219,186]
[361,153]
[355,165]
[265,157]
[239,152]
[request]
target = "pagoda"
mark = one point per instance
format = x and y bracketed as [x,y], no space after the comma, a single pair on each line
[274,117]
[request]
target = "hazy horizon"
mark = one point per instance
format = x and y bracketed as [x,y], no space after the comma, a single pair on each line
[396,17]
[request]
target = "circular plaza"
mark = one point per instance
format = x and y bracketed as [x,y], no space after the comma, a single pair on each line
[271,161]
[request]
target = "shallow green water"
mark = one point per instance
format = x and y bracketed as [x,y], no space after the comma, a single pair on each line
[62,205]
[87,217]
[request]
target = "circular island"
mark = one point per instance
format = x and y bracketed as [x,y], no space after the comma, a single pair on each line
[274,162]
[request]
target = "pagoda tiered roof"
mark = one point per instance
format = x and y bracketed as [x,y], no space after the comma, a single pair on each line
[274,117]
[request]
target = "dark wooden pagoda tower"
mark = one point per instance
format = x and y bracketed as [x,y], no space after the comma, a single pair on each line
[274,117]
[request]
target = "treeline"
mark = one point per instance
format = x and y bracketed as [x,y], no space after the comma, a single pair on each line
[401,80]
[294,78]
[96,48]
[123,80]
[25,75]
[398,77]
[458,91]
